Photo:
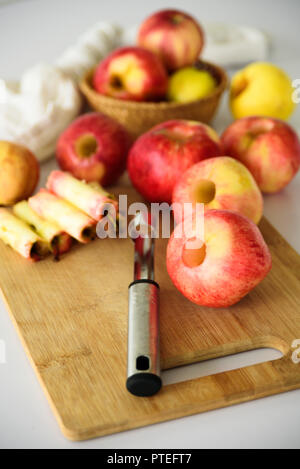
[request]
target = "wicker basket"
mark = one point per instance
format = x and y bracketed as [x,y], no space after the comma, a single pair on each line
[138,117]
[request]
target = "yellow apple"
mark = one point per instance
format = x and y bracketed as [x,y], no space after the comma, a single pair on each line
[19,173]
[189,84]
[261,89]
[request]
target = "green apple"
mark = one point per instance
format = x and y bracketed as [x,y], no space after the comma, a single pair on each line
[189,84]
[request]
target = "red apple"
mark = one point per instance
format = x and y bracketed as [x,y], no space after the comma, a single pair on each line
[219,183]
[159,157]
[94,148]
[131,73]
[268,147]
[233,259]
[174,36]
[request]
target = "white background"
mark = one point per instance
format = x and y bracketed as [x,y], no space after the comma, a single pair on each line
[39,30]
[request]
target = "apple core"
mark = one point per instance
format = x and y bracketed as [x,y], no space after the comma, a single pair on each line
[86,146]
[38,250]
[203,191]
[88,233]
[193,257]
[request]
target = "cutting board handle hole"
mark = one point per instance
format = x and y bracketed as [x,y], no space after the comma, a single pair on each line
[220,365]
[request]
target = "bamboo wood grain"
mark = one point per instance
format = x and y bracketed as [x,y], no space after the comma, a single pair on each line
[72,320]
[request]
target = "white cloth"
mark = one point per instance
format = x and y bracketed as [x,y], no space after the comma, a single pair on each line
[35,111]
[231,45]
[90,48]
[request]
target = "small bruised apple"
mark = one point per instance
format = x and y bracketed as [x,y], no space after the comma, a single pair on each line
[19,173]
[159,157]
[219,271]
[270,149]
[131,73]
[219,183]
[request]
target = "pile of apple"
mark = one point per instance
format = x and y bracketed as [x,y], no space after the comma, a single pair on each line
[182,161]
[162,66]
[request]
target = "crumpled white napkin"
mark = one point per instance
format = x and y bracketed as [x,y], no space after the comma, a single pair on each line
[233,45]
[34,111]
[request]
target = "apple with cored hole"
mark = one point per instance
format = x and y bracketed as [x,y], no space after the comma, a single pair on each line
[131,73]
[218,183]
[220,271]
[160,156]
[19,173]
[269,148]
[94,148]
[176,37]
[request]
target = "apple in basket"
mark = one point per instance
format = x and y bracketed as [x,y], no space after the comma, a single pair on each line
[176,37]
[94,148]
[131,73]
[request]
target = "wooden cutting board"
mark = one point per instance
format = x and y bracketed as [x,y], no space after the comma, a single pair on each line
[72,319]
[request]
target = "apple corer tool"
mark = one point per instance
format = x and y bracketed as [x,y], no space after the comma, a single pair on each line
[143,361]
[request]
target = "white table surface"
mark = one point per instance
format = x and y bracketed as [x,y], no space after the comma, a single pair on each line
[39,30]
